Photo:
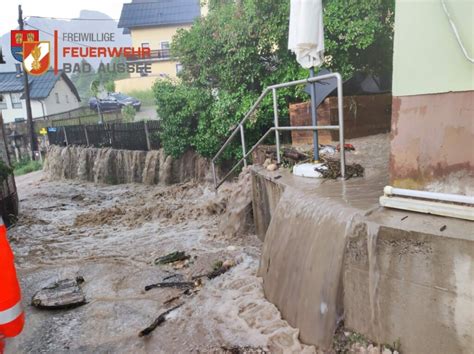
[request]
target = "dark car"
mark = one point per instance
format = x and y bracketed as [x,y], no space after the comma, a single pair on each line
[114,102]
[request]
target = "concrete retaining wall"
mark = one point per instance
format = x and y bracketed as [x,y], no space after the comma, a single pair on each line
[405,276]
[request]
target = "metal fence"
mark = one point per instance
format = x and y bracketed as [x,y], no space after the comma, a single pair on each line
[89,117]
[127,136]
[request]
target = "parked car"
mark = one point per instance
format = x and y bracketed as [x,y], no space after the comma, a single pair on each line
[114,102]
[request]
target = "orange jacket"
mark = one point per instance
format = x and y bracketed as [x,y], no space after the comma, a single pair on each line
[12,318]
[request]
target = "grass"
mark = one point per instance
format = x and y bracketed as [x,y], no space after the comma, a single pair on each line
[146,96]
[25,166]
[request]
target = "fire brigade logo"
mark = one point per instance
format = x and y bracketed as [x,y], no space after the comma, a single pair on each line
[36,57]
[18,38]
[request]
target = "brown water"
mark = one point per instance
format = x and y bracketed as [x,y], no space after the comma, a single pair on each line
[112,166]
[304,247]
[111,235]
[302,263]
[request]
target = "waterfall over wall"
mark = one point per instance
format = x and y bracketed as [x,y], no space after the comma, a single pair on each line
[302,263]
[112,166]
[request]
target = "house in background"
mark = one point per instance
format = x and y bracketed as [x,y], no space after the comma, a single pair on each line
[152,24]
[50,94]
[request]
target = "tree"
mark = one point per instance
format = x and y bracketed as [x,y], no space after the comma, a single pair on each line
[240,48]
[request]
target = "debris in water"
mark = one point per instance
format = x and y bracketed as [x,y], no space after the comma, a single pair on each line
[277,177]
[444,227]
[62,294]
[160,320]
[405,217]
[327,149]
[218,272]
[272,167]
[177,285]
[347,147]
[78,197]
[332,170]
[217,265]
[172,257]
[241,350]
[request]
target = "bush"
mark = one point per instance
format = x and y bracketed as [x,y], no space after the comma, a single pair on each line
[145,96]
[5,171]
[26,165]
[240,48]
[180,108]
[128,113]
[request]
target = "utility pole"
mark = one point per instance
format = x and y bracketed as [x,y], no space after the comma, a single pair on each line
[29,115]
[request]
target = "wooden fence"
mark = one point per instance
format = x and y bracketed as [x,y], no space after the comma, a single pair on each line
[127,136]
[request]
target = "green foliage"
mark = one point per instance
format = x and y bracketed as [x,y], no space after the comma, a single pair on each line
[359,36]
[240,48]
[128,113]
[180,108]
[146,97]
[26,165]
[83,80]
[109,86]
[5,171]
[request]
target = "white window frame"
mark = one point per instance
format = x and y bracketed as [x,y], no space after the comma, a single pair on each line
[16,100]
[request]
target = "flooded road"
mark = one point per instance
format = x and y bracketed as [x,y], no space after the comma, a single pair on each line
[111,235]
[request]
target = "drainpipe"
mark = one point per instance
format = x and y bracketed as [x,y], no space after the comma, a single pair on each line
[42,108]
[443,197]
[451,205]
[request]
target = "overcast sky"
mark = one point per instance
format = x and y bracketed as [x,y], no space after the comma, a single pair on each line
[57,8]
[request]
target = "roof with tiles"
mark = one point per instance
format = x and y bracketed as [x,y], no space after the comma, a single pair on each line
[146,13]
[40,86]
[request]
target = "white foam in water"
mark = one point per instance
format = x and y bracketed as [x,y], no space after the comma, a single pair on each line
[111,235]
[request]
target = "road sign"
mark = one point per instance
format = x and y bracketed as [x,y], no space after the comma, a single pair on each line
[43,131]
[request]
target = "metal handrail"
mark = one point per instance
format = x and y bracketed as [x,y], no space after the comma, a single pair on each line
[276,128]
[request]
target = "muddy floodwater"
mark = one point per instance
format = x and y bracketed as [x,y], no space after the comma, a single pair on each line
[111,235]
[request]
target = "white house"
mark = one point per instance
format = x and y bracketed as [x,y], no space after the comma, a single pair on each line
[49,93]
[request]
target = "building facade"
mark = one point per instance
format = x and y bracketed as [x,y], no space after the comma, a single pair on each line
[432,145]
[152,24]
[49,93]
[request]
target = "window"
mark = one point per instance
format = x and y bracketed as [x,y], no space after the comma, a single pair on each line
[3,102]
[16,100]
[179,67]
[145,45]
[164,53]
[57,97]
[67,98]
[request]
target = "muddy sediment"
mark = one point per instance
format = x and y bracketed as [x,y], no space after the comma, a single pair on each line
[110,236]
[111,166]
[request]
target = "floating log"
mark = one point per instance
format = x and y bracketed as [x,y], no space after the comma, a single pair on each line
[176,285]
[160,320]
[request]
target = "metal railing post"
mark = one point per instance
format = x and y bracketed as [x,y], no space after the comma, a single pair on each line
[242,140]
[213,166]
[340,112]
[277,133]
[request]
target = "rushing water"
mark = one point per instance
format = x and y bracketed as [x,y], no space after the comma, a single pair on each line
[111,235]
[112,166]
[302,263]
